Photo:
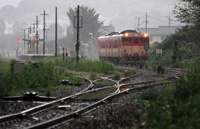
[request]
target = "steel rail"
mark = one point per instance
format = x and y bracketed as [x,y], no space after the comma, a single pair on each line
[89,108]
[41,107]
[32,110]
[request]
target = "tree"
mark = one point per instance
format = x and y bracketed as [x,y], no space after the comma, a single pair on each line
[188,12]
[51,31]
[66,42]
[7,12]
[91,23]
[90,30]
[50,36]
[2,26]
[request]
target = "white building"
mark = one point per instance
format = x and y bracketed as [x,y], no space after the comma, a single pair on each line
[160,33]
[9,29]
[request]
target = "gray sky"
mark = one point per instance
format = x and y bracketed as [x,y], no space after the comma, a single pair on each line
[9,2]
[122,14]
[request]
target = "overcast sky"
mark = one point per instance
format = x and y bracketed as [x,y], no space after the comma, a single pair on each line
[9,2]
[122,14]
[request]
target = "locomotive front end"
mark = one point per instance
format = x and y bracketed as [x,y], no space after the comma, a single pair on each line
[135,46]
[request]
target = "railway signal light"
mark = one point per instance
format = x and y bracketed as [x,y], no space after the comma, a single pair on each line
[18,40]
[66,52]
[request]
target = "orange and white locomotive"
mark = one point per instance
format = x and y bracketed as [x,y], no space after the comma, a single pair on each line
[129,45]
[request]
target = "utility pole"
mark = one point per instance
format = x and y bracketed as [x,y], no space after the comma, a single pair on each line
[28,41]
[30,29]
[44,29]
[46,34]
[146,22]
[56,34]
[169,19]
[24,40]
[77,43]
[34,38]
[78,27]
[138,23]
[37,35]
[33,27]
[63,53]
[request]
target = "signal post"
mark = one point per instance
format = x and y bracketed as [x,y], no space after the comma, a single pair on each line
[77,19]
[17,50]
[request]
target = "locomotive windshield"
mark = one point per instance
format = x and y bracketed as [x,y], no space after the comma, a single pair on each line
[126,40]
[135,41]
[144,40]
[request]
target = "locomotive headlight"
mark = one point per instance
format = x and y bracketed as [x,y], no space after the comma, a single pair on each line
[126,34]
[145,35]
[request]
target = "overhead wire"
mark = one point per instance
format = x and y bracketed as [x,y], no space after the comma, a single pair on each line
[175,23]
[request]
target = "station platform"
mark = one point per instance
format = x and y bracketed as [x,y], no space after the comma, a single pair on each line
[34,56]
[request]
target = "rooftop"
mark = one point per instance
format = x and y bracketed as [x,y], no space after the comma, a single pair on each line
[161,30]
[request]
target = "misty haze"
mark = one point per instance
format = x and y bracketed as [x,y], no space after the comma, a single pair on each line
[17,16]
[99,64]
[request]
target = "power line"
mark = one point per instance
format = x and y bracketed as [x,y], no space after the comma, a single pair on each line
[157,19]
[175,23]
[169,19]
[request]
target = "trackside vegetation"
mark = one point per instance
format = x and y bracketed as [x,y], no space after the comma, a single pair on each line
[39,79]
[187,52]
[177,106]
[45,76]
[84,65]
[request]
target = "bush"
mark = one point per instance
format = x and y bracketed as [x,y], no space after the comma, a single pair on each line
[188,49]
[177,106]
[32,78]
[188,87]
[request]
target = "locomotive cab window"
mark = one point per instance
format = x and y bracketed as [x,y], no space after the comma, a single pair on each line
[126,40]
[135,41]
[144,40]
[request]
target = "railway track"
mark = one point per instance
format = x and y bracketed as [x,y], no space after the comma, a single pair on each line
[53,109]
[92,107]
[56,112]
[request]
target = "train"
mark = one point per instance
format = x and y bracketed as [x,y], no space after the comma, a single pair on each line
[127,46]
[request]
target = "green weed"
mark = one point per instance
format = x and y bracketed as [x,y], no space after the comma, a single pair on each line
[84,65]
[105,83]
[177,106]
[98,95]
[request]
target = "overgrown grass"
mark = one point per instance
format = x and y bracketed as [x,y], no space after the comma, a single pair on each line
[130,73]
[31,79]
[177,106]
[93,76]
[4,66]
[84,65]
[124,73]
[4,75]
[105,83]
[98,95]
[46,76]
